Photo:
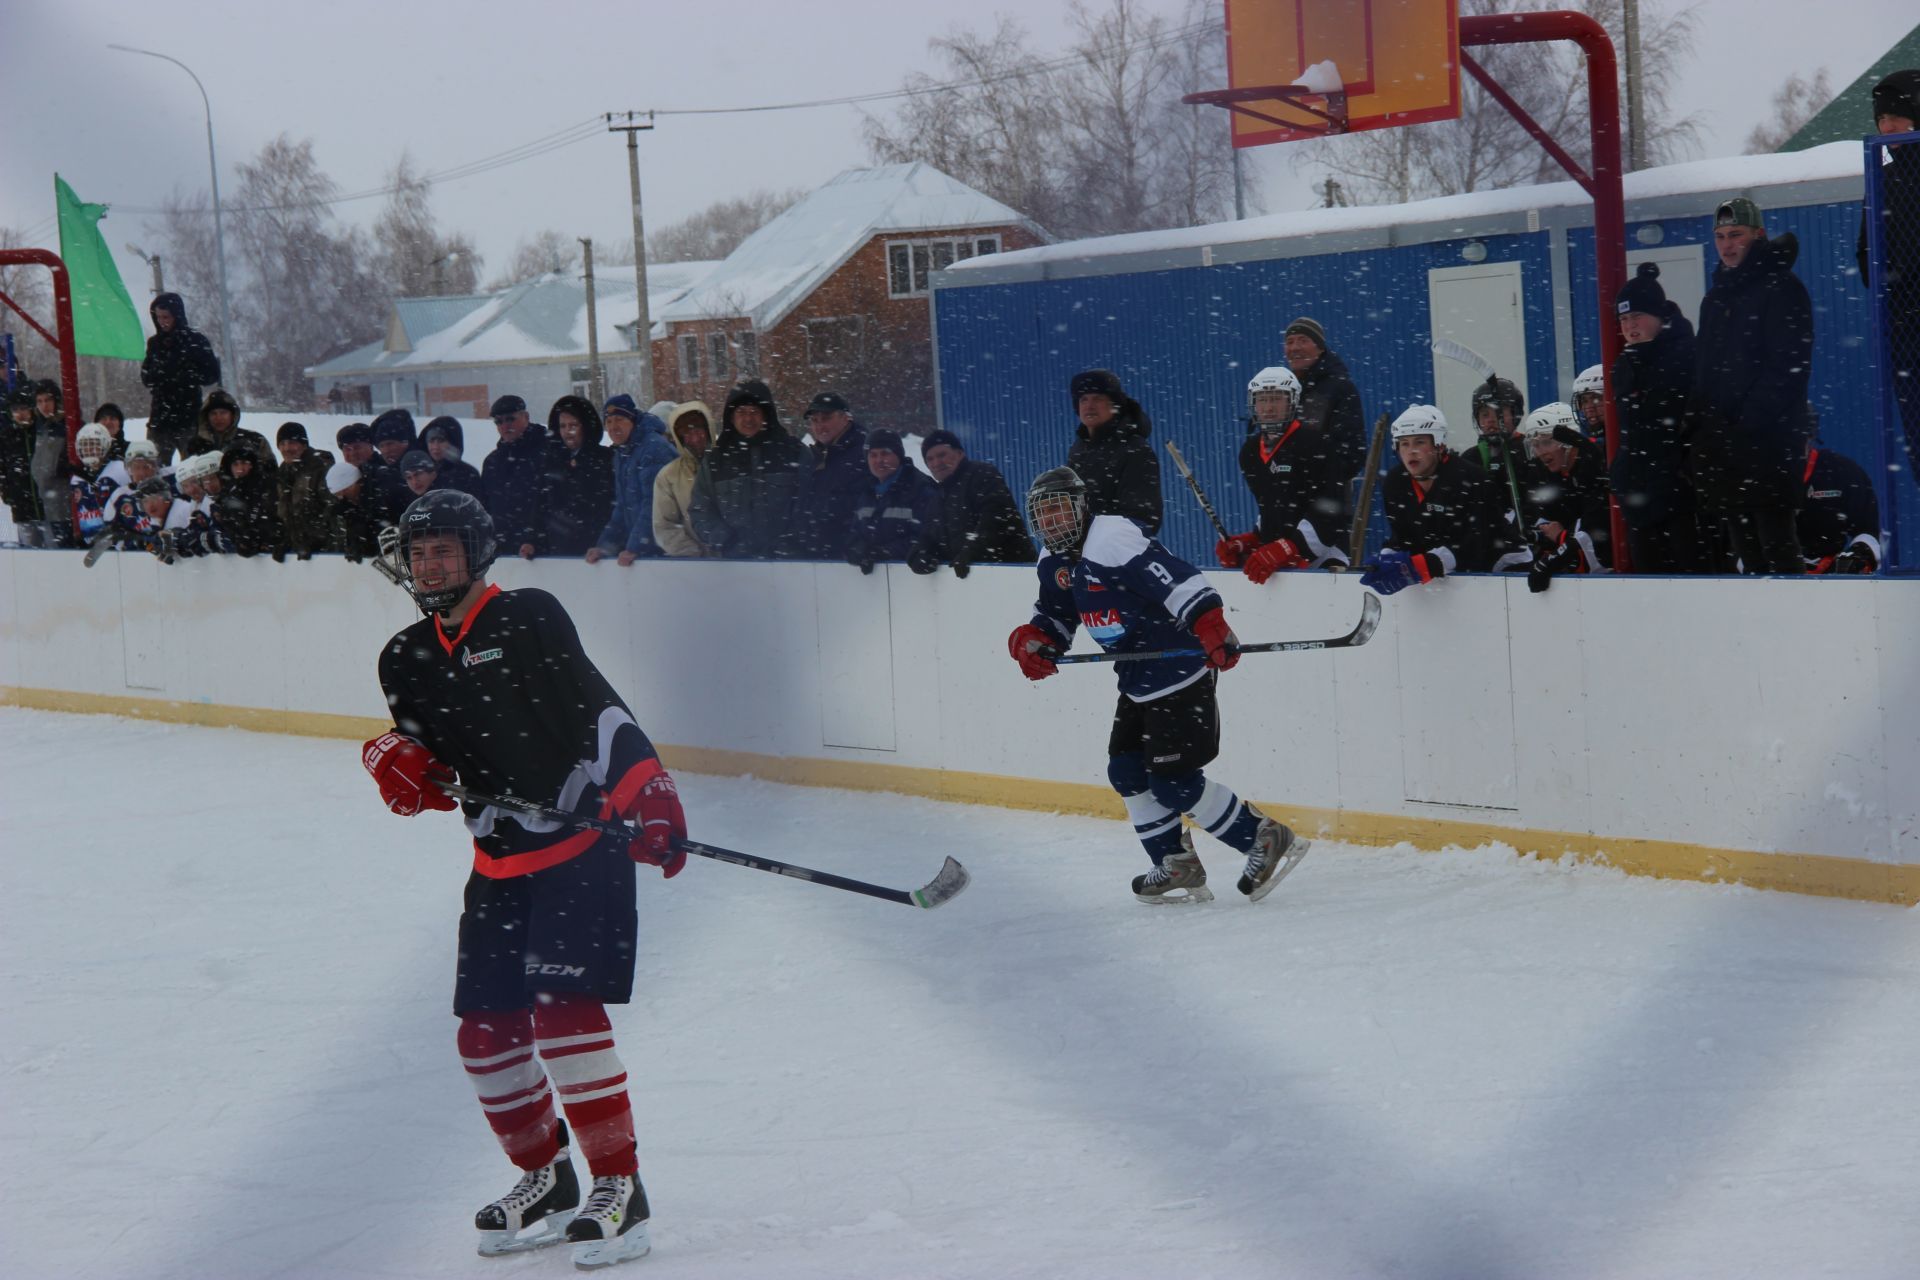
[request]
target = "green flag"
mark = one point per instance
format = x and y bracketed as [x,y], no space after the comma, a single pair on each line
[104,321]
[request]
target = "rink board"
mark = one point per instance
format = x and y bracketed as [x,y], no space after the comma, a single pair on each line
[1765,732]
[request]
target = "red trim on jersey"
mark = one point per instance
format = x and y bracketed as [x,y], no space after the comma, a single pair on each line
[1813,456]
[507,866]
[466,625]
[1266,454]
[1420,567]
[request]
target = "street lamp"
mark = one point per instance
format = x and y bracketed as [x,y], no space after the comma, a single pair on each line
[219,238]
[152,260]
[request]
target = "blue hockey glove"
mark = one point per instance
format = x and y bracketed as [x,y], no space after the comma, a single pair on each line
[1395,571]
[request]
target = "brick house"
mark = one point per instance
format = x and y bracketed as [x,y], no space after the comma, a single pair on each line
[833,295]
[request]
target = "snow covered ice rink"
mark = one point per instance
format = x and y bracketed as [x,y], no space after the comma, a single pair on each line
[228,1050]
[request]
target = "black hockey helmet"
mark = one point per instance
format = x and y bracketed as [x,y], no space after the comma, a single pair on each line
[1057,510]
[1502,394]
[445,511]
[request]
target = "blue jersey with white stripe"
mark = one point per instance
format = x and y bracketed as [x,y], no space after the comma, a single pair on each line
[1133,596]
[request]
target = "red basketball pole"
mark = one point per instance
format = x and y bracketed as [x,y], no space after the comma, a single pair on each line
[63,324]
[1609,200]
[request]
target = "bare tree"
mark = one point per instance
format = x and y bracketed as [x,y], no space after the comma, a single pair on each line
[715,231]
[416,259]
[30,287]
[1794,103]
[548,251]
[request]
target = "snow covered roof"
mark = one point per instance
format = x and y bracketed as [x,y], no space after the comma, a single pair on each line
[778,266]
[1698,183]
[538,319]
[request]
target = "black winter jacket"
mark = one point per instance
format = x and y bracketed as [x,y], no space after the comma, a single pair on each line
[1901,211]
[246,508]
[1461,521]
[835,481]
[207,440]
[977,522]
[888,525]
[1652,384]
[510,486]
[576,485]
[179,362]
[1749,420]
[1120,468]
[1840,507]
[748,490]
[303,504]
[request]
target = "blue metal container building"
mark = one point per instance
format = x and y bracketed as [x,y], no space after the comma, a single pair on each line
[1186,317]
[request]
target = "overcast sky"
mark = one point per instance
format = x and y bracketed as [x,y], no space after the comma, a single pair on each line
[455,82]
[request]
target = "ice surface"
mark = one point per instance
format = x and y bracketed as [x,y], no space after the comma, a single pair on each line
[228,1052]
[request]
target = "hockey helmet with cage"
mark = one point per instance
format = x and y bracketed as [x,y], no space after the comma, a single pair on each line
[1274,378]
[1502,394]
[92,443]
[445,511]
[137,449]
[1592,379]
[1421,420]
[1057,510]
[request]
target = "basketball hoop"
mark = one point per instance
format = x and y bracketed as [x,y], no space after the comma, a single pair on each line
[1327,112]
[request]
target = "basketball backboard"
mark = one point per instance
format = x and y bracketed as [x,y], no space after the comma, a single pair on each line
[1358,64]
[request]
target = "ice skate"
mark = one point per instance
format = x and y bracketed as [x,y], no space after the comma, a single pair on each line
[612,1225]
[544,1198]
[1178,879]
[1276,851]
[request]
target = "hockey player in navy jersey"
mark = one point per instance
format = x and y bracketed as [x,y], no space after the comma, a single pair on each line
[1135,596]
[493,688]
[90,490]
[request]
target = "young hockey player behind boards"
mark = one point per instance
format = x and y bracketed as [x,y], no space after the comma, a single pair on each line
[1301,479]
[1135,596]
[494,689]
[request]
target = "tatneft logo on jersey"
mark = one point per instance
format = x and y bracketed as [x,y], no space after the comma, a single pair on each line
[556,970]
[1823,493]
[472,659]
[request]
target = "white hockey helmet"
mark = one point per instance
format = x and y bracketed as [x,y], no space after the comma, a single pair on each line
[198,467]
[93,443]
[1593,379]
[1545,421]
[1421,420]
[1271,379]
[143,449]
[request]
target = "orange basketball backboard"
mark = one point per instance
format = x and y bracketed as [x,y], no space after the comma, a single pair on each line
[1396,61]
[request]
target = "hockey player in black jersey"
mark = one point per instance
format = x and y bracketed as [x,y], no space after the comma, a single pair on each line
[1839,523]
[1444,515]
[1135,596]
[1565,490]
[1302,480]
[493,689]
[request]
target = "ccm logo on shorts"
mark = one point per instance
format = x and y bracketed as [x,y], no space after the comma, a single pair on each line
[556,970]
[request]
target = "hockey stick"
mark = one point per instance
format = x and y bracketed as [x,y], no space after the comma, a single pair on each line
[1361,633]
[943,888]
[1451,350]
[1193,483]
[1357,540]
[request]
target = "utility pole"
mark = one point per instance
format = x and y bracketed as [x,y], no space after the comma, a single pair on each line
[1239,186]
[594,377]
[152,260]
[1636,115]
[643,327]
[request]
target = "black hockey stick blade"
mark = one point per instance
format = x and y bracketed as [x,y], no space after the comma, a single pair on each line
[1361,633]
[943,888]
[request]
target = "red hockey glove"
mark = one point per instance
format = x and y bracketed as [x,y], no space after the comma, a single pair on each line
[1233,552]
[660,818]
[406,772]
[1270,559]
[1217,638]
[1030,647]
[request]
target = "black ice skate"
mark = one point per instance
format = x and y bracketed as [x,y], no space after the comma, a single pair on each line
[1276,851]
[612,1225]
[544,1198]
[1178,879]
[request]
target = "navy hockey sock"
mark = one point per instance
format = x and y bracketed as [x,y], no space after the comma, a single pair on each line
[1226,817]
[1157,826]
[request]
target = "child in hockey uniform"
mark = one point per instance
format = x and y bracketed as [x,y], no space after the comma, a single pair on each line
[90,490]
[1135,596]
[493,688]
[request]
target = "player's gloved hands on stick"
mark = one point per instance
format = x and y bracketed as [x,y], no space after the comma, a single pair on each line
[658,814]
[1855,559]
[1396,571]
[1233,552]
[1032,649]
[1217,638]
[406,772]
[1283,553]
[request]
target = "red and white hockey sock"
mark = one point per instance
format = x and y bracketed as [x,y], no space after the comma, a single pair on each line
[576,1044]
[496,1047]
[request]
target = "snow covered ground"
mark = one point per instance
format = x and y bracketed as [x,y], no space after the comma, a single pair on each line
[228,1051]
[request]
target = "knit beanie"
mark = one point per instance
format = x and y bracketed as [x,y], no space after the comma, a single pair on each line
[1643,293]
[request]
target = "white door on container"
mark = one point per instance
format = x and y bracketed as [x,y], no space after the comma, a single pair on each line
[1683,274]
[1478,307]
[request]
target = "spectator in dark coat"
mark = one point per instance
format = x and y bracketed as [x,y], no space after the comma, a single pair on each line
[640,449]
[1652,383]
[357,518]
[109,416]
[394,435]
[1750,423]
[576,485]
[246,503]
[1330,405]
[302,502]
[51,470]
[1840,516]
[1896,109]
[836,480]
[179,362]
[446,441]
[510,476]
[16,466]
[1110,451]
[897,510]
[220,430]
[748,490]
[977,522]
[386,493]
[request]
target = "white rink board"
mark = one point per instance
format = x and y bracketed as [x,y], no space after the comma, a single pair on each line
[1778,716]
